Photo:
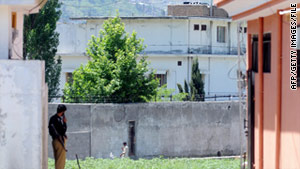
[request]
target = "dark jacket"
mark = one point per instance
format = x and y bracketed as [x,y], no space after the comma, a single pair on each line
[57,127]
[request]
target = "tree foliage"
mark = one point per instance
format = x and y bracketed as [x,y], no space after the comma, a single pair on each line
[195,89]
[164,94]
[41,41]
[113,74]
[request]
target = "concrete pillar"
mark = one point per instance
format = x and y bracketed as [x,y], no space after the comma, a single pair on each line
[5,25]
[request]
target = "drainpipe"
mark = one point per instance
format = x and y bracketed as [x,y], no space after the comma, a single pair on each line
[188,58]
[171,35]
[209,73]
[175,79]
[261,92]
[229,37]
[189,34]
[188,67]
[279,92]
[211,52]
[211,36]
[239,89]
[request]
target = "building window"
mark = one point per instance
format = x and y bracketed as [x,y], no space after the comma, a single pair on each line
[14,20]
[245,30]
[196,27]
[255,53]
[179,63]
[240,29]
[162,79]
[69,77]
[203,27]
[203,77]
[267,53]
[221,34]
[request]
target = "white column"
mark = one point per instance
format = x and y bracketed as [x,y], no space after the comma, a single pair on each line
[5,29]
[17,44]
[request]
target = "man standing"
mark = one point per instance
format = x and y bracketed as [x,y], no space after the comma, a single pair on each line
[57,129]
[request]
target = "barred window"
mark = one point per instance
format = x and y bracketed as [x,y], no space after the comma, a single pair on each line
[203,27]
[162,79]
[221,34]
[196,27]
[255,53]
[267,53]
[69,77]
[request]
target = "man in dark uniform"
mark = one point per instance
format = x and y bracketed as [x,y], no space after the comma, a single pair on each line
[57,129]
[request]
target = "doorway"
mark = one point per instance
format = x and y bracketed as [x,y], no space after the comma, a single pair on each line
[131,138]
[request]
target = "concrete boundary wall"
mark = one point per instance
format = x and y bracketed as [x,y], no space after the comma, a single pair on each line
[23,115]
[173,129]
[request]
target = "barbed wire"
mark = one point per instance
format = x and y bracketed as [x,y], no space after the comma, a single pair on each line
[169,98]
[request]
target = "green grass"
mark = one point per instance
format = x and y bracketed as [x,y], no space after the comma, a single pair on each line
[156,163]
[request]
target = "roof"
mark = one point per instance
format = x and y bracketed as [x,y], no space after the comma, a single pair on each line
[30,6]
[128,17]
[149,17]
[249,10]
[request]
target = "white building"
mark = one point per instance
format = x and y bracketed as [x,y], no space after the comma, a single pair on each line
[11,30]
[172,43]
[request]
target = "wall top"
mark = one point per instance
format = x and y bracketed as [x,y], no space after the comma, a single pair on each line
[32,6]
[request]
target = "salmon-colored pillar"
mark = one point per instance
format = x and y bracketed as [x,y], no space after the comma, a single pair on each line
[279,97]
[261,92]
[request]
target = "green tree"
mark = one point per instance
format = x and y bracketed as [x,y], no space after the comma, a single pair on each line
[113,74]
[165,94]
[195,89]
[41,41]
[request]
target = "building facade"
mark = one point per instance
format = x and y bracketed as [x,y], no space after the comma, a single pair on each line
[172,43]
[273,80]
[11,30]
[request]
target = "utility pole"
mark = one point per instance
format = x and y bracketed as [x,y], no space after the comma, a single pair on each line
[240,92]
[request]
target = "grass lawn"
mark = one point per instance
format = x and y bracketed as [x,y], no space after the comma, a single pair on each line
[156,163]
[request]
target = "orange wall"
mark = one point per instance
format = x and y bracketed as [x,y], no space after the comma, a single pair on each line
[290,135]
[270,94]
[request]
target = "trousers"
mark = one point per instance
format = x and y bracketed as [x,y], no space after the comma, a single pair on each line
[59,154]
